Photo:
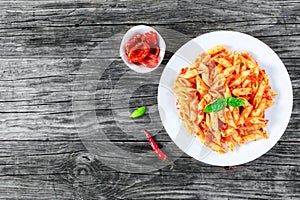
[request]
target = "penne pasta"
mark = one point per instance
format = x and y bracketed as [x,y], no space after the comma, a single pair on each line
[229,143]
[190,73]
[250,137]
[219,73]
[240,78]
[237,138]
[215,50]
[236,114]
[215,126]
[241,91]
[229,131]
[223,62]
[259,94]
[236,62]
[246,112]
[229,118]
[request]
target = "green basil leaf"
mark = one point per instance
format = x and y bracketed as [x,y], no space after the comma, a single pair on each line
[138,112]
[215,106]
[234,102]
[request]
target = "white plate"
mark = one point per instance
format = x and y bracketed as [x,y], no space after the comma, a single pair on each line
[278,115]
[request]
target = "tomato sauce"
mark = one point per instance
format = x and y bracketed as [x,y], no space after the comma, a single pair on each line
[143,49]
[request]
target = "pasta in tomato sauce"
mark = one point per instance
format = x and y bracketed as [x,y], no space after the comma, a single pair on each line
[222,74]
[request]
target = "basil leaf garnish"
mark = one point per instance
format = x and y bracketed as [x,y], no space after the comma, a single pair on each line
[215,106]
[138,112]
[234,102]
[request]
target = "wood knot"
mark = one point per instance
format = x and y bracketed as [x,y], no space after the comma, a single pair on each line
[83,165]
[80,167]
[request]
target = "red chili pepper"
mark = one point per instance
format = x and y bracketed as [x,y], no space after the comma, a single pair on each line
[154,146]
[157,150]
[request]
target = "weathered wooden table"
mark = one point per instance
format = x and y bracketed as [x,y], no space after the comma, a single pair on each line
[65,92]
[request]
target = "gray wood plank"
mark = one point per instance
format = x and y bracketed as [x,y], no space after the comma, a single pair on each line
[64,169]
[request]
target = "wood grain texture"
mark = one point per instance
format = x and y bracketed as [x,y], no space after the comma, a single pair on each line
[43,47]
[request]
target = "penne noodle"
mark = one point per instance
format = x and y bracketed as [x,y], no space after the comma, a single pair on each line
[236,114]
[215,125]
[246,83]
[229,118]
[181,82]
[260,109]
[190,73]
[236,62]
[200,117]
[228,131]
[252,127]
[201,105]
[193,115]
[269,104]
[249,57]
[237,138]
[264,75]
[259,94]
[201,86]
[215,50]
[208,122]
[246,112]
[228,71]
[257,120]
[221,116]
[248,63]
[219,85]
[262,133]
[218,70]
[201,135]
[241,91]
[227,91]
[250,137]
[274,94]
[244,65]
[217,148]
[223,62]
[229,143]
[240,78]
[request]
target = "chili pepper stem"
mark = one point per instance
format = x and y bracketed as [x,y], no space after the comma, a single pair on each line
[170,162]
